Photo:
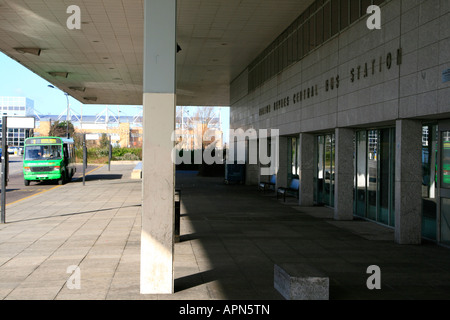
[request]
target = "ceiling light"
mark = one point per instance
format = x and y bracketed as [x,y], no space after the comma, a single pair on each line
[82,89]
[59,74]
[35,51]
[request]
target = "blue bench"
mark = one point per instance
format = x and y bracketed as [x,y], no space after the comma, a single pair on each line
[292,190]
[267,185]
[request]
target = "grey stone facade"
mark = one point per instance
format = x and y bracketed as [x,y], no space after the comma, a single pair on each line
[358,79]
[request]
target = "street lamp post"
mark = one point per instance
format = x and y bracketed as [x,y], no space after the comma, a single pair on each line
[68,110]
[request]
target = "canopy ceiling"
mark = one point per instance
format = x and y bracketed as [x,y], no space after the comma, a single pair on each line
[218,39]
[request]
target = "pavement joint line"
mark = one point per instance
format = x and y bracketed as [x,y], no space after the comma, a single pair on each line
[36,194]
[87,253]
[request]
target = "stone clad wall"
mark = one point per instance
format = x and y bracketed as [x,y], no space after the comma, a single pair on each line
[360,77]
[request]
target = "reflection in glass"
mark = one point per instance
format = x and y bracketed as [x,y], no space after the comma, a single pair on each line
[372,174]
[51,152]
[328,165]
[361,146]
[385,181]
[445,221]
[324,175]
[320,169]
[445,159]
[429,186]
[374,180]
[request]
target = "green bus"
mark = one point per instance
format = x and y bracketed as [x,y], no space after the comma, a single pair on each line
[48,158]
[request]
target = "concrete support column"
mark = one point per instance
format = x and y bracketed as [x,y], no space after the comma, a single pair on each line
[344,174]
[158,174]
[306,169]
[408,182]
[283,163]
[252,174]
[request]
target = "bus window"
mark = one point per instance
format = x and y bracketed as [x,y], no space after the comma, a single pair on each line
[42,153]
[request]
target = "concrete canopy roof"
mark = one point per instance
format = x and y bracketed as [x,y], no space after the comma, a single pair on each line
[104,62]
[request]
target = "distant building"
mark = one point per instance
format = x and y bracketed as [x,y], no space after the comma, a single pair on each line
[20,113]
[125,132]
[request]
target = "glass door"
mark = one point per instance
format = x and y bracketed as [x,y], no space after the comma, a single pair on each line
[324,174]
[429,181]
[375,175]
[444,175]
[360,179]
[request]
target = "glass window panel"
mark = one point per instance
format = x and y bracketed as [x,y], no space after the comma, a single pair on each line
[392,161]
[361,151]
[290,49]
[384,175]
[306,46]
[332,167]
[372,174]
[300,42]
[445,221]
[320,174]
[276,60]
[445,160]
[327,21]
[284,54]
[295,46]
[429,191]
[319,27]
[328,174]
[312,29]
[334,17]
[344,14]
[354,10]
[364,5]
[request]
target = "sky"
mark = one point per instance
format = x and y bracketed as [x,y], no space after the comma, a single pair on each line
[18,81]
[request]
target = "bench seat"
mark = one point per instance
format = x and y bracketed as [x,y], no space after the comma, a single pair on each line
[268,185]
[292,190]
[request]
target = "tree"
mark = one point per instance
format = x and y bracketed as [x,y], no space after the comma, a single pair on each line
[197,124]
[59,129]
[104,141]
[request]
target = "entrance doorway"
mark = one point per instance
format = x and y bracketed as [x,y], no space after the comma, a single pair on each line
[429,181]
[374,175]
[324,170]
[444,183]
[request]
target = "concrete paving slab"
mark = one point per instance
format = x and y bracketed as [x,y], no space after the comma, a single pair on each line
[231,238]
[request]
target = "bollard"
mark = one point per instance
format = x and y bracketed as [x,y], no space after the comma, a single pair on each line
[177,214]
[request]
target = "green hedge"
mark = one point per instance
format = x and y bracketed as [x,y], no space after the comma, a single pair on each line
[96,155]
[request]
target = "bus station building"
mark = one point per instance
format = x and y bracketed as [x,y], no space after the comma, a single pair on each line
[363,113]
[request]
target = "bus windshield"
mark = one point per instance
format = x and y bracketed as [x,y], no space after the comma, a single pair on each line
[50,152]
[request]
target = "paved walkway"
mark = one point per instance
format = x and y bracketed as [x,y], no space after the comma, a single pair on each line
[231,237]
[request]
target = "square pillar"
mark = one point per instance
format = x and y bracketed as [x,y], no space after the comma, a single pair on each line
[282,174]
[158,172]
[344,174]
[408,182]
[306,169]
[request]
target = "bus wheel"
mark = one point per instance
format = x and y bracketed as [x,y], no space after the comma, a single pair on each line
[61,181]
[27,183]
